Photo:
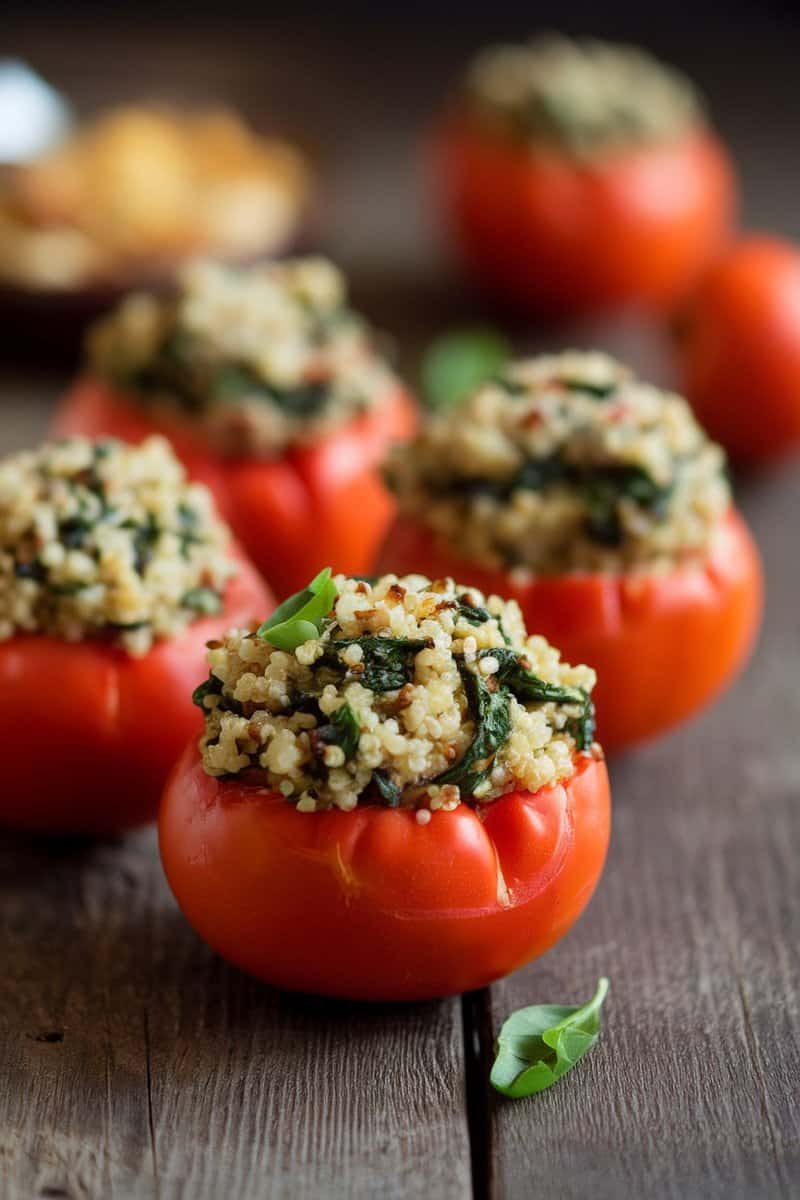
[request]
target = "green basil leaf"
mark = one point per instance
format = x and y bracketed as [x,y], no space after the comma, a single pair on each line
[489,711]
[539,1044]
[301,616]
[457,363]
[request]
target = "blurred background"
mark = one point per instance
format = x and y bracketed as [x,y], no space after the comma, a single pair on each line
[356,85]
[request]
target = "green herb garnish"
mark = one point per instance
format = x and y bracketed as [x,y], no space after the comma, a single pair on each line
[489,711]
[302,615]
[457,363]
[232,382]
[539,1044]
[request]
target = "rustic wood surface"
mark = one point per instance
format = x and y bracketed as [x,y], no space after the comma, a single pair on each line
[133,1063]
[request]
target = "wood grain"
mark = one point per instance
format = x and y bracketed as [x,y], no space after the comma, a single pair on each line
[136,1064]
[693,1088]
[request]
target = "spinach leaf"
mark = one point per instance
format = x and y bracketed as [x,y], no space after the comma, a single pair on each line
[472,613]
[213,687]
[539,1044]
[209,687]
[232,382]
[582,727]
[202,600]
[388,662]
[604,488]
[387,788]
[457,363]
[32,570]
[601,391]
[343,730]
[530,689]
[489,711]
[301,616]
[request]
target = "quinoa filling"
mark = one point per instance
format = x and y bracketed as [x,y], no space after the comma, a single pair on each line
[566,462]
[396,692]
[258,358]
[584,97]
[100,539]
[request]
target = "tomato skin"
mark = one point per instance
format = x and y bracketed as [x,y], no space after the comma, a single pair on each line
[95,731]
[663,646]
[741,350]
[318,505]
[558,236]
[371,905]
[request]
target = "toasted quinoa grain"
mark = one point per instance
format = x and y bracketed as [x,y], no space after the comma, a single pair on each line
[258,359]
[100,539]
[386,704]
[566,462]
[582,96]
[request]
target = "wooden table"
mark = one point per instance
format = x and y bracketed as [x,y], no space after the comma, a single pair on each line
[133,1063]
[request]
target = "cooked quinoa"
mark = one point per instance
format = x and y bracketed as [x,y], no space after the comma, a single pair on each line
[258,358]
[415,693]
[100,539]
[566,462]
[584,96]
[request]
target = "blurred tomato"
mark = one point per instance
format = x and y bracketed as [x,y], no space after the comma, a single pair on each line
[663,645]
[741,349]
[317,505]
[371,904]
[92,732]
[558,235]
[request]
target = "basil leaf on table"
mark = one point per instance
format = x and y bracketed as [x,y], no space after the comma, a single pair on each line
[301,616]
[456,363]
[539,1044]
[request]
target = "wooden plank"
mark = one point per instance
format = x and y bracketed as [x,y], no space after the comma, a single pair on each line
[137,1064]
[693,1089]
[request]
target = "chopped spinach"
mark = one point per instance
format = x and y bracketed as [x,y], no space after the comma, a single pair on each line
[32,570]
[209,687]
[232,382]
[604,488]
[387,662]
[202,600]
[387,788]
[472,613]
[343,730]
[70,587]
[72,531]
[213,687]
[489,710]
[601,391]
[530,689]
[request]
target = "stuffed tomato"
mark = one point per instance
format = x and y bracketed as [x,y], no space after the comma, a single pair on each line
[598,504]
[114,574]
[398,794]
[576,176]
[272,393]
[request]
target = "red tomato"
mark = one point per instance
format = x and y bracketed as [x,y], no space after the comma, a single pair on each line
[92,732]
[319,505]
[556,235]
[741,346]
[370,904]
[662,645]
